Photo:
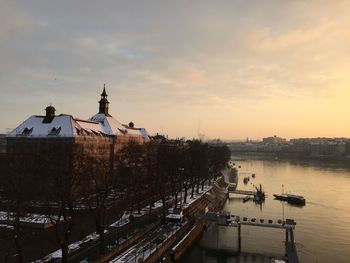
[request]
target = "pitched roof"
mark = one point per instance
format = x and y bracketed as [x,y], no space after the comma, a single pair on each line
[35,127]
[65,125]
[114,127]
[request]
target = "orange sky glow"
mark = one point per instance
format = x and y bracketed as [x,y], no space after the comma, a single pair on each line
[230,69]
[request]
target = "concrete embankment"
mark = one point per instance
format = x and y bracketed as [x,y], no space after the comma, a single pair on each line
[129,242]
[213,200]
[169,241]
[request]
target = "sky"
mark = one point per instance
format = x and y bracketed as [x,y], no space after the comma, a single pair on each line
[228,69]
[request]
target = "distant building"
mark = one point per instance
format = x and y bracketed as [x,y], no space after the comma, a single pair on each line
[274,140]
[2,143]
[335,148]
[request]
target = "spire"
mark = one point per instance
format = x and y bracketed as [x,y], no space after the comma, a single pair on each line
[104,102]
[104,94]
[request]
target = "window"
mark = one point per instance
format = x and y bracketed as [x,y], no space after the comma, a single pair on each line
[27,131]
[55,131]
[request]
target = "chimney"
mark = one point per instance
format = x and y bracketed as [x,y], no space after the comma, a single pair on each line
[50,114]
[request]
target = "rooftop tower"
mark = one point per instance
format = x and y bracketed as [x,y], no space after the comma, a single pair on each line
[104,103]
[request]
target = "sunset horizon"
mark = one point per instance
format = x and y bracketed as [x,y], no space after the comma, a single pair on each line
[184,131]
[233,70]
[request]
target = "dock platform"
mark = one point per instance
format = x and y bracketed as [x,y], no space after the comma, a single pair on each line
[242,192]
[228,220]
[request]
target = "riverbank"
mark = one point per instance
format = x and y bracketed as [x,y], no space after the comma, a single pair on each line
[213,200]
[325,188]
[169,241]
[324,162]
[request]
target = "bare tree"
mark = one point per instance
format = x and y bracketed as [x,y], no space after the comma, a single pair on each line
[64,187]
[130,160]
[14,190]
[99,194]
[151,171]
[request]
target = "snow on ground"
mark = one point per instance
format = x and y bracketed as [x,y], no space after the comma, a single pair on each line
[148,245]
[196,195]
[139,251]
[28,218]
[184,238]
[124,220]
[2,226]
[121,222]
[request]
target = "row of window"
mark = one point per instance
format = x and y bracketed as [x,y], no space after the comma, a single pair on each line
[54,131]
[81,131]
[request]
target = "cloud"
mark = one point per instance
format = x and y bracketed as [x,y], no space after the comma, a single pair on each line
[263,40]
[11,20]
[193,56]
[196,76]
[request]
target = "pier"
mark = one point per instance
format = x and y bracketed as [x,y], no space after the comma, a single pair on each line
[243,192]
[228,220]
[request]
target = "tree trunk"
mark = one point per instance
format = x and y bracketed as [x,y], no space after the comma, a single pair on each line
[185,197]
[100,231]
[164,206]
[197,188]
[150,210]
[17,234]
[175,197]
[64,248]
[102,240]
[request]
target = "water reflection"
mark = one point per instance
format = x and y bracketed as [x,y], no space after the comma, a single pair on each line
[322,232]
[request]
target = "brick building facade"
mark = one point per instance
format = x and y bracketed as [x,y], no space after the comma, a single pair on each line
[63,138]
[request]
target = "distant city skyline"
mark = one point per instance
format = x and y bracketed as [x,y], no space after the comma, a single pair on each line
[228,69]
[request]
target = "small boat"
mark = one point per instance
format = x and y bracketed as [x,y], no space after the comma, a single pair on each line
[291,198]
[246,198]
[259,197]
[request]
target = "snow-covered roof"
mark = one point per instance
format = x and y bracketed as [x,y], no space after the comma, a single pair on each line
[114,127]
[63,125]
[111,125]
[35,127]
[67,126]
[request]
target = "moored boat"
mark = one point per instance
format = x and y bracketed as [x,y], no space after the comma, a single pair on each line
[245,180]
[246,198]
[291,198]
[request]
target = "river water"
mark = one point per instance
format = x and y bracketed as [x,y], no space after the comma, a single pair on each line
[322,232]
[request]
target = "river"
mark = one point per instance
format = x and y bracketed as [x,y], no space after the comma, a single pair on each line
[322,232]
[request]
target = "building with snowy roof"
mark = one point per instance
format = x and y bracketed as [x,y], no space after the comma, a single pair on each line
[67,126]
[63,138]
